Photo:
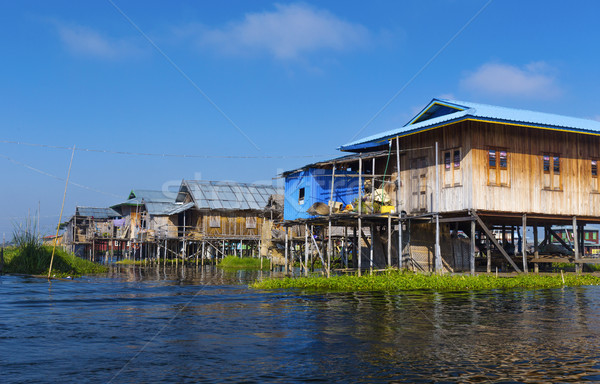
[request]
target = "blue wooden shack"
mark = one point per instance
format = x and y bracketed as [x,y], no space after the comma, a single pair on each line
[307,186]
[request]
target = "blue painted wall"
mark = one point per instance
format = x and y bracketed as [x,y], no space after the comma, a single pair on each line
[317,188]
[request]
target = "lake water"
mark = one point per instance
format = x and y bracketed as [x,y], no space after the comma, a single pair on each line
[204,325]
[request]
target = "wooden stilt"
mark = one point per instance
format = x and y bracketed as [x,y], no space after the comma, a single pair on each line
[472,244]
[576,249]
[524,243]
[536,253]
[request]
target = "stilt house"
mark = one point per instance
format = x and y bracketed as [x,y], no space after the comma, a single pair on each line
[460,172]
[91,229]
[227,217]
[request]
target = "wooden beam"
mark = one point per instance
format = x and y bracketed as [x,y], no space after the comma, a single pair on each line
[472,253]
[493,239]
[560,240]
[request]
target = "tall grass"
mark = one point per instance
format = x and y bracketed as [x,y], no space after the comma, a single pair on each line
[30,256]
[406,281]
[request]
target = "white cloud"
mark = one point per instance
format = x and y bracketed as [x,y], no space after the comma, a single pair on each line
[288,32]
[87,42]
[535,80]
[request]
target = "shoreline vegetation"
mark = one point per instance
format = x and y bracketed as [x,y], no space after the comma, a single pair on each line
[394,281]
[30,257]
[29,261]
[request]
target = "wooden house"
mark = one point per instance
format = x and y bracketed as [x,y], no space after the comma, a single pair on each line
[461,167]
[91,230]
[227,217]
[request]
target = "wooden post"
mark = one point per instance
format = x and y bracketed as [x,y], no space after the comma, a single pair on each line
[286,249]
[329,243]
[373,187]
[203,251]
[345,247]
[576,246]
[354,248]
[524,243]
[372,229]
[489,255]
[438,255]
[472,253]
[389,241]
[536,253]
[305,249]
[359,260]
[398,194]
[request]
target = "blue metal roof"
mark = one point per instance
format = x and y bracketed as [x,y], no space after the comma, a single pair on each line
[221,195]
[441,112]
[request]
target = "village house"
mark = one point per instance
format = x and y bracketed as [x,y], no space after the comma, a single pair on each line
[91,230]
[153,222]
[229,218]
[449,186]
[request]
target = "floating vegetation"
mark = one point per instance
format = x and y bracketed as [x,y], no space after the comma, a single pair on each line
[407,281]
[29,256]
[243,263]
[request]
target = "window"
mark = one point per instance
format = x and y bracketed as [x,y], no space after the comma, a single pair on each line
[551,171]
[250,222]
[301,196]
[214,221]
[452,171]
[497,167]
[594,175]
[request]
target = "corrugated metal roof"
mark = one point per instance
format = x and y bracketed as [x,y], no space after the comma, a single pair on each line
[166,209]
[222,195]
[462,110]
[97,213]
[338,160]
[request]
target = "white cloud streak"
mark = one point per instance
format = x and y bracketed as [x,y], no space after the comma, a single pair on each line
[536,80]
[83,41]
[287,33]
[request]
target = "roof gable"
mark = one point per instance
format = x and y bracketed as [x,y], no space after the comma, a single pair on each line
[441,112]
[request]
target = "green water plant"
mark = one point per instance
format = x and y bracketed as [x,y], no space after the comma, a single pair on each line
[30,256]
[235,262]
[391,281]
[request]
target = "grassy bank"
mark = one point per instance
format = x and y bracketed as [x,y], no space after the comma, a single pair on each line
[406,281]
[235,262]
[36,261]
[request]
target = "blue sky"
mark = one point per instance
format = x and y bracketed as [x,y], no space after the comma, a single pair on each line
[254,88]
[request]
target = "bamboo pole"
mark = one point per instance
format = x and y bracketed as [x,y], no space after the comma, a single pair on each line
[61,213]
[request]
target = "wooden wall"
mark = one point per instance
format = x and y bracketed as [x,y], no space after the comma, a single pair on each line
[225,224]
[524,184]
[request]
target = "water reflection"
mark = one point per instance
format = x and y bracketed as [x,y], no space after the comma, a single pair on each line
[202,324]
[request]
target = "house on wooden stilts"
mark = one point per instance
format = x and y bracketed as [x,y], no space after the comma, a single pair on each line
[229,218]
[461,187]
[154,224]
[93,232]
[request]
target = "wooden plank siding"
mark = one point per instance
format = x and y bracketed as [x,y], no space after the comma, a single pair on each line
[231,224]
[573,192]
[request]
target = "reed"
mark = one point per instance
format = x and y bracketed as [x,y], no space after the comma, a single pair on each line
[29,256]
[391,281]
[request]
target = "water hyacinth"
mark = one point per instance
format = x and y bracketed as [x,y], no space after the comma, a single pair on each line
[243,263]
[407,281]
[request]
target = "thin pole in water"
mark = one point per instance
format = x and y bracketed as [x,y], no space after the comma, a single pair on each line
[61,213]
